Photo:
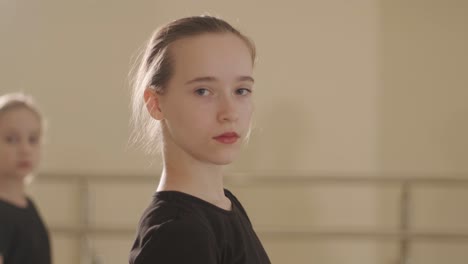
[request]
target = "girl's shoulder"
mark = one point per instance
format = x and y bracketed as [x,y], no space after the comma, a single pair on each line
[6,205]
[168,236]
[170,210]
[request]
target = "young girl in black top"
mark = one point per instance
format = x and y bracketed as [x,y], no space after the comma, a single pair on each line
[23,236]
[193,97]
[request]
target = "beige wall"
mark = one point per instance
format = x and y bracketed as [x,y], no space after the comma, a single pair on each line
[363,88]
[423,107]
[316,93]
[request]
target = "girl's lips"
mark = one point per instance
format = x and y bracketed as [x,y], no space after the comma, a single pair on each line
[24,164]
[227,138]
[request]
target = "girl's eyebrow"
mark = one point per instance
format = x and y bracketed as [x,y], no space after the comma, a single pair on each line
[213,79]
[202,79]
[246,78]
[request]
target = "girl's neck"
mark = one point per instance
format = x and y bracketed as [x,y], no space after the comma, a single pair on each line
[12,191]
[185,174]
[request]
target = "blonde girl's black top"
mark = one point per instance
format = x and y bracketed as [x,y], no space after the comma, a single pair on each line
[24,238]
[179,228]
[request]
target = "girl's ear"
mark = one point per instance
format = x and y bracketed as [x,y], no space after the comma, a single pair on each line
[152,102]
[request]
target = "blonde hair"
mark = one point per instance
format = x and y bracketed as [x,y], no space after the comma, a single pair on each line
[19,100]
[156,68]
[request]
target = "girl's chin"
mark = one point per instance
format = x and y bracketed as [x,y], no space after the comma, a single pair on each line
[22,174]
[224,160]
[222,163]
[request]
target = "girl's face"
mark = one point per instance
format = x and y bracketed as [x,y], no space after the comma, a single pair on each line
[20,134]
[207,105]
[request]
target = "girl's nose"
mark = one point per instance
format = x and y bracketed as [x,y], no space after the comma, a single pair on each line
[228,111]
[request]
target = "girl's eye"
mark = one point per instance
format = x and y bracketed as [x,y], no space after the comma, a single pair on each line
[202,92]
[11,139]
[243,91]
[33,140]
